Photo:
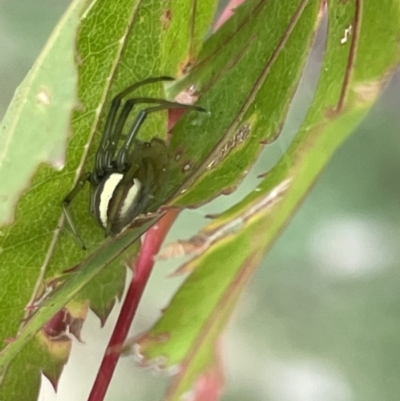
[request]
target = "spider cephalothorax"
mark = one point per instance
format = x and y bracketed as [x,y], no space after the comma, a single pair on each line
[127,171]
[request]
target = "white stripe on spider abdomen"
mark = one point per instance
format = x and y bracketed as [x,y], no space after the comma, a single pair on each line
[107,192]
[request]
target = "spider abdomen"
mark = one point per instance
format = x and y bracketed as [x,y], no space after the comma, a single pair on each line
[115,203]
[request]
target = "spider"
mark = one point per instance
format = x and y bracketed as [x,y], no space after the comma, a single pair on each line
[124,178]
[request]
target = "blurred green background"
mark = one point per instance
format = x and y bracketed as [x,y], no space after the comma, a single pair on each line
[321,320]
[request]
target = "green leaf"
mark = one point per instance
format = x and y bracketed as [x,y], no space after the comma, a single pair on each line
[246,75]
[185,337]
[229,248]
[68,290]
[202,378]
[47,101]
[186,24]
[109,55]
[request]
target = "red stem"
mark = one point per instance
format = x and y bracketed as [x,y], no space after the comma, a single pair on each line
[144,265]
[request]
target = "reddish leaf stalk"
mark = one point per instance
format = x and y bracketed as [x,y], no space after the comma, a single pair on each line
[143,267]
[227,13]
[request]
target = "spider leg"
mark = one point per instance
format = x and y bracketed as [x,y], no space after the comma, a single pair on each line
[108,132]
[104,158]
[105,154]
[141,117]
[65,206]
[146,81]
